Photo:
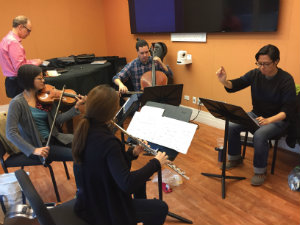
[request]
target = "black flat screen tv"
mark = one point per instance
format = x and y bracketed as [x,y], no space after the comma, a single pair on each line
[191,16]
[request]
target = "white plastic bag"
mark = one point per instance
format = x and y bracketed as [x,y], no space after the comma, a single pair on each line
[169,177]
[10,193]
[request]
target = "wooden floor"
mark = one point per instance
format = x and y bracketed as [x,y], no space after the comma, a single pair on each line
[199,199]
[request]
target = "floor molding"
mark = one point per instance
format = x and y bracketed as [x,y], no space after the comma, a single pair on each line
[208,119]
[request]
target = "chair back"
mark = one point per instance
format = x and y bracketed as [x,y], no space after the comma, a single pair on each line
[34,198]
[9,147]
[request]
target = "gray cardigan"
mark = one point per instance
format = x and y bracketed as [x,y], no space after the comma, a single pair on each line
[22,131]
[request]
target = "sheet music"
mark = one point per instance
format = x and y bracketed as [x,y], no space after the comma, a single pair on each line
[150,125]
[152,111]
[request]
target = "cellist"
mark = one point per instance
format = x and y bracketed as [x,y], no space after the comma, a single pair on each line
[138,67]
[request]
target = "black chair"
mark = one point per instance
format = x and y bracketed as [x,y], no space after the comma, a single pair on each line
[60,215]
[275,138]
[21,160]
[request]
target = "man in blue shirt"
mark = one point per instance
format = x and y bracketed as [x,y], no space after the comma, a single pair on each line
[136,68]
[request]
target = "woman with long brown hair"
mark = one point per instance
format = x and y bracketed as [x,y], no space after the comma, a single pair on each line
[107,182]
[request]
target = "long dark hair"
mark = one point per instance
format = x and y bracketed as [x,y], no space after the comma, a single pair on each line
[101,106]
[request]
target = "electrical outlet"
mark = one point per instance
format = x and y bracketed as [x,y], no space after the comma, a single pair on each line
[186,97]
[198,101]
[194,100]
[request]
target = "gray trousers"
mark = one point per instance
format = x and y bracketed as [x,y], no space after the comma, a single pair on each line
[260,142]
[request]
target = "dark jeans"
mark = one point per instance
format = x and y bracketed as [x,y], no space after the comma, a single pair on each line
[12,87]
[59,153]
[260,142]
[150,211]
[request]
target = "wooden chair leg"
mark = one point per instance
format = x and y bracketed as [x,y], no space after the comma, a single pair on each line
[245,144]
[66,169]
[274,156]
[54,183]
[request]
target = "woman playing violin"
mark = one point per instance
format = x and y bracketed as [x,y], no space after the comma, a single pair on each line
[29,121]
[136,68]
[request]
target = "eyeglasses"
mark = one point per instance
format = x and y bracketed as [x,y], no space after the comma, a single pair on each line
[263,64]
[28,30]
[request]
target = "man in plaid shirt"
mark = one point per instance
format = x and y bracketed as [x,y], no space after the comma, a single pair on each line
[136,68]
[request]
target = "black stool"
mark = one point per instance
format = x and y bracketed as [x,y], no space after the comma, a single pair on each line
[275,138]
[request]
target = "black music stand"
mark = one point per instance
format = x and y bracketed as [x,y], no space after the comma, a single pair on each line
[127,108]
[177,115]
[159,179]
[168,94]
[228,113]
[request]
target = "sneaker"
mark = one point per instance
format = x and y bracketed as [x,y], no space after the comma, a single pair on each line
[232,163]
[258,179]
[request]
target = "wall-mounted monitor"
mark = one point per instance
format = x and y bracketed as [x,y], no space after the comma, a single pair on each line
[188,16]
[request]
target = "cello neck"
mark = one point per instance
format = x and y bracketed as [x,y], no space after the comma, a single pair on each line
[153,74]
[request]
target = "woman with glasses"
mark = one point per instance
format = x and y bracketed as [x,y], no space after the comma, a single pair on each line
[273,99]
[29,121]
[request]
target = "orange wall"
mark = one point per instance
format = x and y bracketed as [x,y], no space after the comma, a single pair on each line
[60,28]
[234,51]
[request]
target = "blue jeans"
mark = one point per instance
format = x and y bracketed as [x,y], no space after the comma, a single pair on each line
[260,142]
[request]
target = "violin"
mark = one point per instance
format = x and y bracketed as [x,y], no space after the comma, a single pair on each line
[49,94]
[153,78]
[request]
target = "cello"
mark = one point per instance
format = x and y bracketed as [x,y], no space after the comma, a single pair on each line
[153,77]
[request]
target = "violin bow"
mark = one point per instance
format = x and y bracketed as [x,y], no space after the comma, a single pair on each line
[43,159]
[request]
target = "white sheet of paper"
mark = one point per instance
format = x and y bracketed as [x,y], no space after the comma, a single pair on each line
[152,126]
[154,111]
[52,73]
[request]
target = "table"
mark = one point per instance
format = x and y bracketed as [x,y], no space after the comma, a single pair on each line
[83,77]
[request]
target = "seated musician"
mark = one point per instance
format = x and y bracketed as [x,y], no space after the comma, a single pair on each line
[136,68]
[105,197]
[29,121]
[273,99]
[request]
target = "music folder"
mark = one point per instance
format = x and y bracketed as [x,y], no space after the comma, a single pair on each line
[126,109]
[235,114]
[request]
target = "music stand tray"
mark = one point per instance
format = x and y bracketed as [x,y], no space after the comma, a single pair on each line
[167,94]
[228,113]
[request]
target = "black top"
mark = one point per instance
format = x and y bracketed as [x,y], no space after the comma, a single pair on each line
[105,197]
[269,96]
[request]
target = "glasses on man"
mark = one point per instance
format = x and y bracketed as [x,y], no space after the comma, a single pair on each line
[28,30]
[263,64]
